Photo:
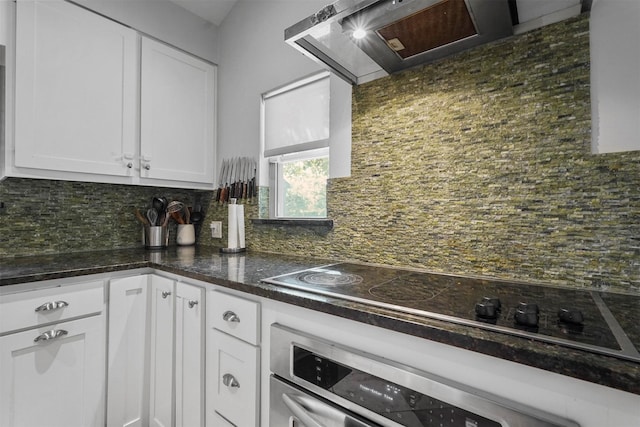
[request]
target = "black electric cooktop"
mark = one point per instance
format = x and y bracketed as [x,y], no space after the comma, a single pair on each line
[590,320]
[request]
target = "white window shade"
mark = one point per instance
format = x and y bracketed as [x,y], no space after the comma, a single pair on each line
[296,117]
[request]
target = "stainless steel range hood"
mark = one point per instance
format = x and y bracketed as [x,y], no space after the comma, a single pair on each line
[398,34]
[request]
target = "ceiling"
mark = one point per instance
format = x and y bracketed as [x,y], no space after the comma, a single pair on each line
[216,10]
[212,10]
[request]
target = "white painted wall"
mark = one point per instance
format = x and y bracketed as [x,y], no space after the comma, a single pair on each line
[165,21]
[615,75]
[255,59]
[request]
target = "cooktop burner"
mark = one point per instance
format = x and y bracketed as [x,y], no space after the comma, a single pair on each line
[327,278]
[571,317]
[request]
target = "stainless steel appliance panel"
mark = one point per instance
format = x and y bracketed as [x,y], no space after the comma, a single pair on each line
[293,407]
[384,392]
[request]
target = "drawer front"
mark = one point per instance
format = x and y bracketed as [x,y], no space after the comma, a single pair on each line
[235,316]
[42,306]
[233,379]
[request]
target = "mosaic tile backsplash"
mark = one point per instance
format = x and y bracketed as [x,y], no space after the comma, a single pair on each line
[42,216]
[480,164]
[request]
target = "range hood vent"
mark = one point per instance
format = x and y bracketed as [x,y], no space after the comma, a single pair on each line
[398,34]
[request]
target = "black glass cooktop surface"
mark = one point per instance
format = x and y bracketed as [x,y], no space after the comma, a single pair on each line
[576,318]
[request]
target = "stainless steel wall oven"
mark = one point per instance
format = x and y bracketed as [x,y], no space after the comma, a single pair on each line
[316,383]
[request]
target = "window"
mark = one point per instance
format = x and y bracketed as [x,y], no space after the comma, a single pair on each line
[295,133]
[301,185]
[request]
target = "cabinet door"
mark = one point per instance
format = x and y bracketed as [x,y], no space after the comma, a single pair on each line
[4,23]
[161,353]
[177,140]
[232,380]
[76,79]
[189,356]
[126,389]
[57,382]
[615,76]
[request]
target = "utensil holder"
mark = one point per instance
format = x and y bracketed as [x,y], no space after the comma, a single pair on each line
[186,235]
[156,237]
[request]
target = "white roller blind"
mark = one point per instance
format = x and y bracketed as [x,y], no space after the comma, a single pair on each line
[296,117]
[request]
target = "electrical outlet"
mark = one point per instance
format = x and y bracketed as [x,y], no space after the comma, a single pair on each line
[216,229]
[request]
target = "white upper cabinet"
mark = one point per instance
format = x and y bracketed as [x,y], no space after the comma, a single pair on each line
[4,23]
[615,75]
[75,90]
[95,101]
[177,114]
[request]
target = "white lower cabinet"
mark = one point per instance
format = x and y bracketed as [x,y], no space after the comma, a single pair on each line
[233,361]
[156,353]
[233,380]
[53,373]
[215,419]
[127,393]
[176,394]
[161,352]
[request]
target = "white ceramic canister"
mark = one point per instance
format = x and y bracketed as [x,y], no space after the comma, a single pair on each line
[186,235]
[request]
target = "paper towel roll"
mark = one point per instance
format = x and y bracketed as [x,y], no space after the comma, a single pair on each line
[240,222]
[232,238]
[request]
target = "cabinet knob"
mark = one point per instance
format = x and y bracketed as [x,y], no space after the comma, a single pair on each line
[230,316]
[230,381]
[50,335]
[165,294]
[192,303]
[147,166]
[130,165]
[52,305]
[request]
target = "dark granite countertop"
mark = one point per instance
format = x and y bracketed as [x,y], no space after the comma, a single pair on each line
[243,272]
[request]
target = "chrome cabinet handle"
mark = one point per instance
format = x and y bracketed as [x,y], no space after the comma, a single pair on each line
[165,294]
[50,335]
[230,381]
[192,303]
[230,316]
[52,305]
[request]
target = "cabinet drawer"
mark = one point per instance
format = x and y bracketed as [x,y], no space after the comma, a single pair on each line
[233,380]
[42,306]
[235,316]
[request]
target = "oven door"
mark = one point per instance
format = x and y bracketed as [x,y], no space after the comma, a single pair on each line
[291,406]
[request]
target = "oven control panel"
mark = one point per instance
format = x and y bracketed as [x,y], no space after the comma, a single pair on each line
[397,403]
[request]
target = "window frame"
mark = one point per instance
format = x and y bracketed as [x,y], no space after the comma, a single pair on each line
[306,150]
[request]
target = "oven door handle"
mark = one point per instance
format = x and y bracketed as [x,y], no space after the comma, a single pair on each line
[307,409]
